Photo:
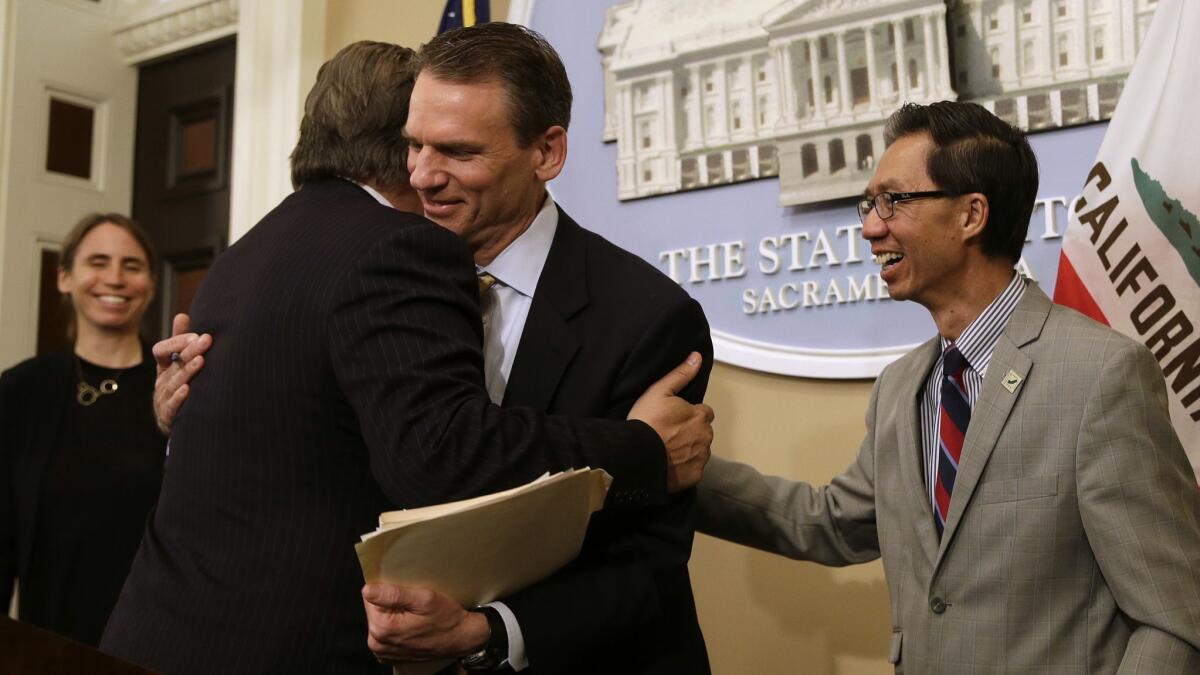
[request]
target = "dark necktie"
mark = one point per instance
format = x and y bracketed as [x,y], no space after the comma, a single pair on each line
[955,416]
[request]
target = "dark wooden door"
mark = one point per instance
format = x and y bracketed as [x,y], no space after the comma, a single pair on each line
[53,312]
[181,169]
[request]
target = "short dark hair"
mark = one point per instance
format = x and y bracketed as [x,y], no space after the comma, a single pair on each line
[975,151]
[354,117]
[534,78]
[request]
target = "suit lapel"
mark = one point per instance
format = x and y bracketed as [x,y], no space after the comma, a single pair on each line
[912,454]
[996,402]
[548,342]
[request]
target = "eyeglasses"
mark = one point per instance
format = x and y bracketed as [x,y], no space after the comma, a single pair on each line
[884,203]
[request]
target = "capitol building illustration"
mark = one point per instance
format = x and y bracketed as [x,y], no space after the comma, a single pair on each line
[708,92]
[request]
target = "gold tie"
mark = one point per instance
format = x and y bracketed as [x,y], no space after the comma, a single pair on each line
[485,282]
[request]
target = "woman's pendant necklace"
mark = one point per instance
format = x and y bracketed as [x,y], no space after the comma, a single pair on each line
[86,394]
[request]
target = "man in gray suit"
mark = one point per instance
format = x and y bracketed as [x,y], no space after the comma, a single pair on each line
[1020,477]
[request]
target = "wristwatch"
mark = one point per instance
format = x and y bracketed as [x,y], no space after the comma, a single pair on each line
[494,652]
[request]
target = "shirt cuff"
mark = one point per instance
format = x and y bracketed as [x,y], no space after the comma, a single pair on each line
[516,642]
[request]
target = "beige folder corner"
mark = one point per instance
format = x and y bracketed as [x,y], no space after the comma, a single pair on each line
[481,549]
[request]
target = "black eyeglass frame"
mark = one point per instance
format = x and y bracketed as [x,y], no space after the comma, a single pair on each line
[894,198]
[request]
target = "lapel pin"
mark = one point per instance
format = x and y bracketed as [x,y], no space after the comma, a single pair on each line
[1011,381]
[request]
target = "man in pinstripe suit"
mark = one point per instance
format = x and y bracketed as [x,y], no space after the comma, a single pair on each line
[345,379]
[1020,476]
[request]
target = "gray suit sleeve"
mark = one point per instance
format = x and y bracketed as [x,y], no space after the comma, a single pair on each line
[831,525]
[1141,510]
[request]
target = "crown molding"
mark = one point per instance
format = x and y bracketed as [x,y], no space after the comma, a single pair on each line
[154,29]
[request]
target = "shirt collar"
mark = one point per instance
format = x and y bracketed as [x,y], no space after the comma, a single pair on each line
[519,265]
[978,341]
[375,193]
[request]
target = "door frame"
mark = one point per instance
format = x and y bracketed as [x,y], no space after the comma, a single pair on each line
[280,46]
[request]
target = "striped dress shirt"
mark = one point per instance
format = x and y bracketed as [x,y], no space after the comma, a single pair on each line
[977,344]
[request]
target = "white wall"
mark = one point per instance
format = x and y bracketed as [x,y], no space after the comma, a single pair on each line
[66,46]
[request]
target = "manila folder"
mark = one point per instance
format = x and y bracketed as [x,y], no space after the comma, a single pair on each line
[481,549]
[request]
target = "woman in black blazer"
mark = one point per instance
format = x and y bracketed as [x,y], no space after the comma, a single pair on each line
[80,455]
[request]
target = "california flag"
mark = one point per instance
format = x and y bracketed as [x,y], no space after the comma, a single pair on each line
[1131,254]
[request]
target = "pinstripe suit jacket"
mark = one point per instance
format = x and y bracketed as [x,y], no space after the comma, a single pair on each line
[345,379]
[1072,545]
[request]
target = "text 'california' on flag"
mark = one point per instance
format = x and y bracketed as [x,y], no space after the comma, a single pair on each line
[1131,254]
[463,13]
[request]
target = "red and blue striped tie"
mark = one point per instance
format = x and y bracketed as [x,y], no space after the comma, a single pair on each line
[955,415]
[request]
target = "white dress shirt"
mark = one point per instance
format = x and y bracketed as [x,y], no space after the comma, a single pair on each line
[506,303]
[505,307]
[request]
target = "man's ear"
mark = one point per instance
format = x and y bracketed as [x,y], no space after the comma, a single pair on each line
[550,153]
[974,215]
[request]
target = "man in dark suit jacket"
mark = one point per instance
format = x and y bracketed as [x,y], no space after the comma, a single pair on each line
[487,130]
[344,380]
[604,324]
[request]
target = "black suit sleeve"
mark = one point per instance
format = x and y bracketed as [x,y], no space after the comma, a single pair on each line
[612,599]
[405,344]
[8,512]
